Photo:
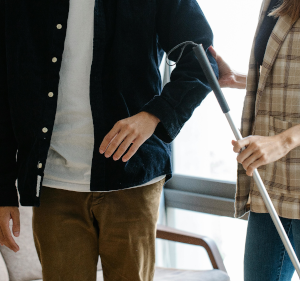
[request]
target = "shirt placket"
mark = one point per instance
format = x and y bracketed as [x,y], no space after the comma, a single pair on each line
[96,96]
[58,27]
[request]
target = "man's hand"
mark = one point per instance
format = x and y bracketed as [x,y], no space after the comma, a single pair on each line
[228,77]
[134,130]
[7,213]
[260,151]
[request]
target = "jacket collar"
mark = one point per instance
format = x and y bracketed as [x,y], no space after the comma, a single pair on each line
[252,64]
[277,38]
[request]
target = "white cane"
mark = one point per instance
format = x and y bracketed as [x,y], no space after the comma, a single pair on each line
[210,75]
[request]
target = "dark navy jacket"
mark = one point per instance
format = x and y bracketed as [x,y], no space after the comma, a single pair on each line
[128,41]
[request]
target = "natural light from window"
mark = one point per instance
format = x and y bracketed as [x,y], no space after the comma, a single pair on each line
[203,148]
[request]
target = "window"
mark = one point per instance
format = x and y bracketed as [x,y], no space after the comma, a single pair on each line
[228,233]
[200,197]
[203,148]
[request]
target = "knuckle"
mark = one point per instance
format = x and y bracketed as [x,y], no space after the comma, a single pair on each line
[129,127]
[120,123]
[126,126]
[135,131]
[264,158]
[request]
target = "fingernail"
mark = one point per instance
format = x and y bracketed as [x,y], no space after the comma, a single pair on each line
[101,151]
[16,233]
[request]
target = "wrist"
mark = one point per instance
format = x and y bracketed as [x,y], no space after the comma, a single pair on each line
[152,117]
[287,141]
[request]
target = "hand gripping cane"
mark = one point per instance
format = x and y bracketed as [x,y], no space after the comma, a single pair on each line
[210,75]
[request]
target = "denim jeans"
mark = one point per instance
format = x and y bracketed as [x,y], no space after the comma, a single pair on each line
[265,256]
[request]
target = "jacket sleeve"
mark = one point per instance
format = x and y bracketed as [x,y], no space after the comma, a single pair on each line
[8,144]
[179,21]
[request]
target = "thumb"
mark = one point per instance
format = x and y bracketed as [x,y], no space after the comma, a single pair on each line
[15,215]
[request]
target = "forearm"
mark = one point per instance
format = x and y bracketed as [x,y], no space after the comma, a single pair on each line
[179,21]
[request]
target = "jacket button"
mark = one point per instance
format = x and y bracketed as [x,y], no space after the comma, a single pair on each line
[59,26]
[45,130]
[40,165]
[54,59]
[50,95]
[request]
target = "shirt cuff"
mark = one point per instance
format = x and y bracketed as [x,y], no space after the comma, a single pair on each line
[169,127]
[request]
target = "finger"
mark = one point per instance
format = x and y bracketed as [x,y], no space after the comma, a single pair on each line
[213,52]
[133,149]
[241,144]
[124,146]
[109,137]
[245,154]
[255,165]
[15,215]
[116,142]
[8,240]
[250,160]
[1,238]
[233,142]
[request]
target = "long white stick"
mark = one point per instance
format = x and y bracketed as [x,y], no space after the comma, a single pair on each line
[210,75]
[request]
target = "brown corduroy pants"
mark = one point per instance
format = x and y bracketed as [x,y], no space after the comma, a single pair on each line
[72,228]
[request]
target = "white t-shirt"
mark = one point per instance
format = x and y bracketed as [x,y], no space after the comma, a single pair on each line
[70,155]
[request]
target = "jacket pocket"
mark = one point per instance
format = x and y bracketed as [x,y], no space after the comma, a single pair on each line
[277,126]
[283,175]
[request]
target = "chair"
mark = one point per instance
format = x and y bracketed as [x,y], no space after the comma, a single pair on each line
[217,274]
[25,266]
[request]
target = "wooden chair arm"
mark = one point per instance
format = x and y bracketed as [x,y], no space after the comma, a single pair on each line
[172,234]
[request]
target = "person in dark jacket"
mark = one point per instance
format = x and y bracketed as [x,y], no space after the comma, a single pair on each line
[81,106]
